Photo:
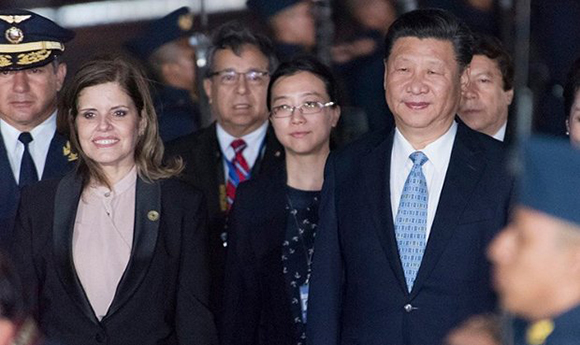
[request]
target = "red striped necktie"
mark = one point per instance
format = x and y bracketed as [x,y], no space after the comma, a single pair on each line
[238,170]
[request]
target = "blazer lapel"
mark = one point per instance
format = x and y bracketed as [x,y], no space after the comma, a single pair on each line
[147,218]
[464,172]
[273,207]
[65,207]
[376,177]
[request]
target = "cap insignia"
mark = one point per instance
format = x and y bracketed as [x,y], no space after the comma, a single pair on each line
[5,60]
[33,57]
[15,19]
[14,35]
[185,21]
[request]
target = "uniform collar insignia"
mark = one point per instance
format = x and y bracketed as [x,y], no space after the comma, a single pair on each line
[539,331]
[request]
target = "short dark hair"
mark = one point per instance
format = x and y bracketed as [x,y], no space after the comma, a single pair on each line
[433,23]
[306,63]
[235,36]
[493,49]
[571,87]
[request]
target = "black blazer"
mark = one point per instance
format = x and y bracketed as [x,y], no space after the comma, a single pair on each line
[162,297]
[257,304]
[203,160]
[358,293]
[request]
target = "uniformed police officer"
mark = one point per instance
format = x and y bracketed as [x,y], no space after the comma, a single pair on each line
[165,47]
[536,257]
[31,74]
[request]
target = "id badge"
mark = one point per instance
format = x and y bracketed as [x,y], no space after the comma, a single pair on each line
[304,301]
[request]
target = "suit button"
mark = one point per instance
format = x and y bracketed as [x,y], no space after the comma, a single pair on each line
[100,337]
[408,308]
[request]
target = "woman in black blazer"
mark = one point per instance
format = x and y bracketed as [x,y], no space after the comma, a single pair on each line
[115,252]
[273,221]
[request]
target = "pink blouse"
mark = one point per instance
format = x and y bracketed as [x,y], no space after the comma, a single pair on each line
[103,238]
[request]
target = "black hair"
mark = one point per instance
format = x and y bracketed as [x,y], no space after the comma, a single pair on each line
[306,63]
[433,23]
[235,36]
[493,49]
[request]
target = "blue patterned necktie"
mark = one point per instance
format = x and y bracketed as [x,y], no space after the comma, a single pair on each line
[28,173]
[411,220]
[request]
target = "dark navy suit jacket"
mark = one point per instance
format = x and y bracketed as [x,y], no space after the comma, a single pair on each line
[358,293]
[257,308]
[57,164]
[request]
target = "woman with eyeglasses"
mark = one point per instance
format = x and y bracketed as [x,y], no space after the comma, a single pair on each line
[274,218]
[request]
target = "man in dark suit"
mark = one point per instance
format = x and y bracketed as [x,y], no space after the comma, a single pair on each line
[485,104]
[31,74]
[406,214]
[239,66]
[535,258]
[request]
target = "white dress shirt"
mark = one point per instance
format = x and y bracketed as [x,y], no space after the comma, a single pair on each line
[435,169]
[500,135]
[42,136]
[253,141]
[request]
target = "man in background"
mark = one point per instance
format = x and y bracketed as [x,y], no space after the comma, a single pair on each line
[485,103]
[239,144]
[166,49]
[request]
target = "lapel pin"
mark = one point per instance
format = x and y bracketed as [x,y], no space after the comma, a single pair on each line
[277,153]
[153,215]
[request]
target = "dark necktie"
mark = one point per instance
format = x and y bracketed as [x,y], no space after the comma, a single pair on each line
[28,173]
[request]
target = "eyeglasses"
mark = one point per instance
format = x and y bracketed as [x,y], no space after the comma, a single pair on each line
[230,77]
[306,108]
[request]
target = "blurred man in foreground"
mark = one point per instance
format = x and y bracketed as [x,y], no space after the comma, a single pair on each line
[536,258]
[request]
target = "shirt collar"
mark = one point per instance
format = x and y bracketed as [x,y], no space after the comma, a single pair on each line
[438,152]
[500,135]
[252,139]
[120,187]
[40,134]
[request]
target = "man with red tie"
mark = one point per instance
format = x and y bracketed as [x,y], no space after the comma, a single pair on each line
[239,144]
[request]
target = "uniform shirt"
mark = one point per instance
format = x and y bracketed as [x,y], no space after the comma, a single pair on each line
[42,136]
[435,169]
[254,143]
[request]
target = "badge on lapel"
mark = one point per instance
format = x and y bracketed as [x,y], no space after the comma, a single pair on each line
[153,215]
